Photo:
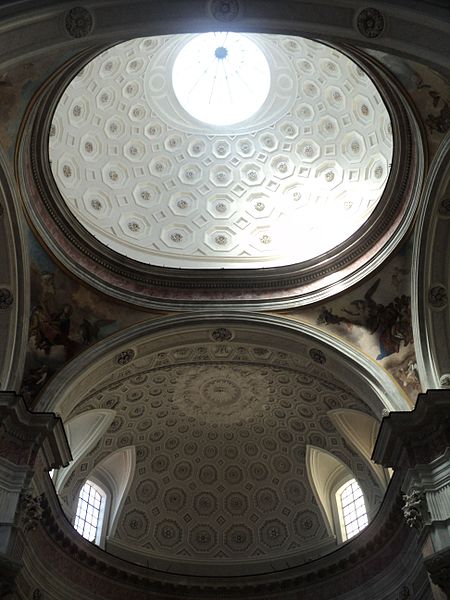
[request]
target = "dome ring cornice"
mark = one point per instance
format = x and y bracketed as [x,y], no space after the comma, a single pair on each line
[266,288]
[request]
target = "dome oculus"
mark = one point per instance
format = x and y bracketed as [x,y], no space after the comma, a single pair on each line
[221,78]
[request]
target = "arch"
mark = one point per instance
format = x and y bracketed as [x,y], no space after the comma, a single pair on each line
[365,376]
[431,275]
[116,472]
[14,285]
[361,431]
[113,476]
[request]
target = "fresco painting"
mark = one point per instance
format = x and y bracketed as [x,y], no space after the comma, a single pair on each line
[375,317]
[65,318]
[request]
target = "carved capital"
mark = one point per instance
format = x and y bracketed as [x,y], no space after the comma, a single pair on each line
[414,509]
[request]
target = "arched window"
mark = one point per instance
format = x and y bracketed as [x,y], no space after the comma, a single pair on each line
[90,512]
[351,508]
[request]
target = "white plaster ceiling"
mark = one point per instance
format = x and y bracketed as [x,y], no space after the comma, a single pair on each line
[155,184]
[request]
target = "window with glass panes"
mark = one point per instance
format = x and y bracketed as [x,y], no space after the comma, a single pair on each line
[88,511]
[354,512]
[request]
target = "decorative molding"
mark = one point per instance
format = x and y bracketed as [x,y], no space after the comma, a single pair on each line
[31,511]
[374,552]
[6,298]
[437,296]
[224,10]
[370,22]
[318,356]
[125,357]
[78,22]
[222,334]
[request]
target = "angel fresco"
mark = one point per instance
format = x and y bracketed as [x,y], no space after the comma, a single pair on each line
[391,323]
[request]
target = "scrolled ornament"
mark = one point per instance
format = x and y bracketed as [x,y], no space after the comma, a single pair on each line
[318,356]
[221,334]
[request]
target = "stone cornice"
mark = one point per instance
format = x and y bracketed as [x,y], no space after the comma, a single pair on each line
[23,433]
[407,439]
[376,548]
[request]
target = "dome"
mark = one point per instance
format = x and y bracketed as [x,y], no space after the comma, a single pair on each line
[221,151]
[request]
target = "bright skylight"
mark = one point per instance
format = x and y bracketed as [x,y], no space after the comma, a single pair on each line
[221,78]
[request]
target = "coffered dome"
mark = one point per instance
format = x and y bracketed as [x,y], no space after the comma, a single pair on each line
[221,150]
[155,176]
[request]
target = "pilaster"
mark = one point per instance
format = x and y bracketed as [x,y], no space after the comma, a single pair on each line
[417,444]
[31,444]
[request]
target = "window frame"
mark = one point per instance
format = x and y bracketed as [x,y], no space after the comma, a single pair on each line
[341,527]
[104,510]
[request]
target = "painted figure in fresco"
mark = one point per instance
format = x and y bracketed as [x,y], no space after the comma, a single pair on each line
[391,322]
